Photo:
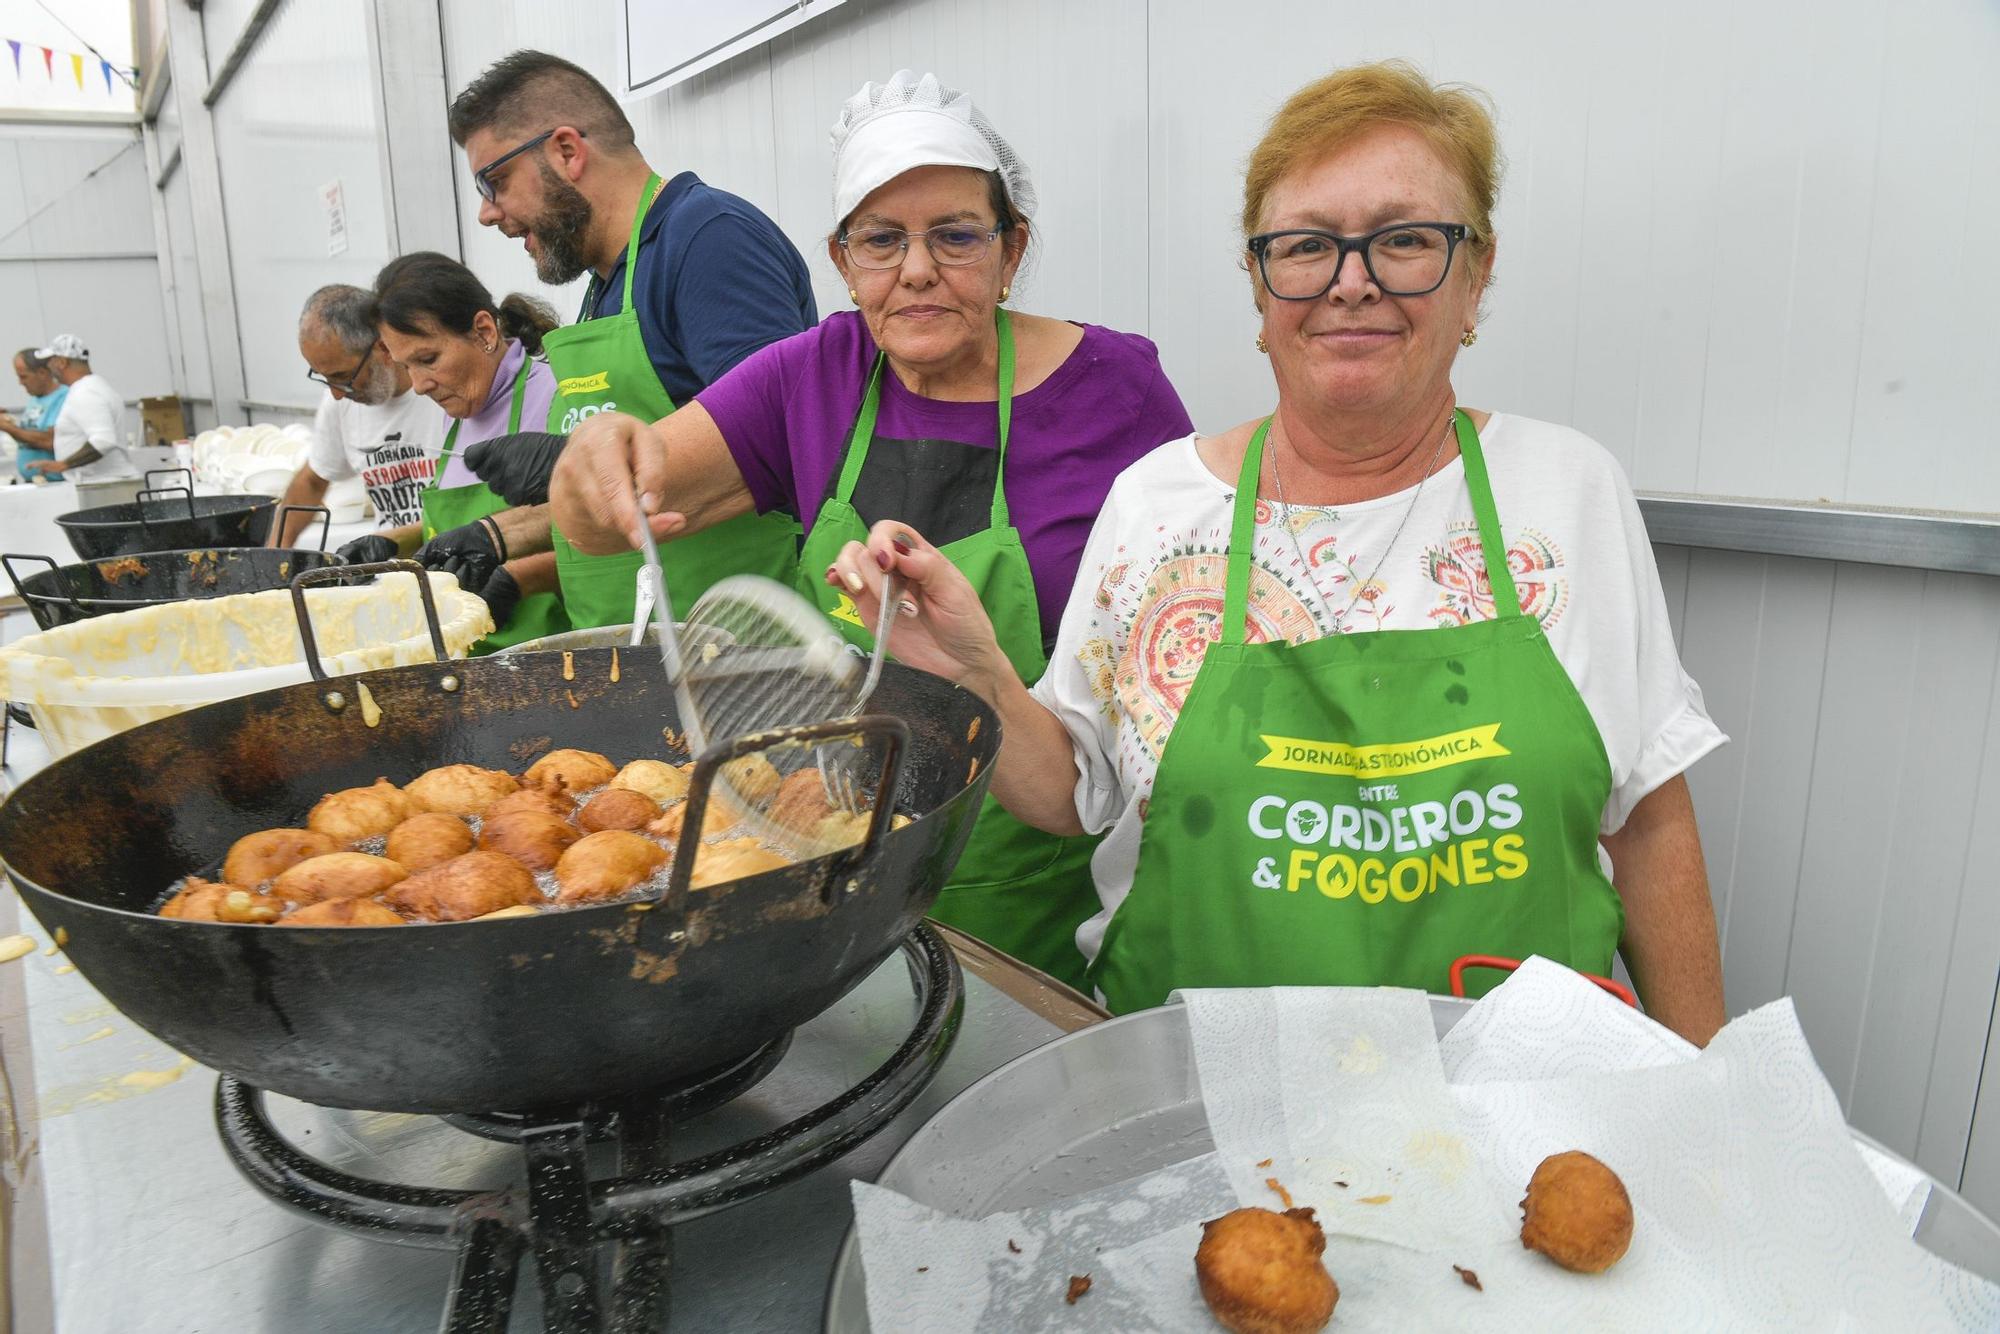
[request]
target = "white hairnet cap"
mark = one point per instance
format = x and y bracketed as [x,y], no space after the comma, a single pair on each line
[889,128]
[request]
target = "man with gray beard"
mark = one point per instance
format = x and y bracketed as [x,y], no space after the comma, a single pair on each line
[685,282]
[368,424]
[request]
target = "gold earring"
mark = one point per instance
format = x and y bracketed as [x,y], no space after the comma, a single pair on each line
[1263,346]
[1004,291]
[1468,338]
[854,296]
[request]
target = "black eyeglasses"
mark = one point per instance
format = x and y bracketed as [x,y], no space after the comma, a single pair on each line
[951,243]
[1406,259]
[482,180]
[344,383]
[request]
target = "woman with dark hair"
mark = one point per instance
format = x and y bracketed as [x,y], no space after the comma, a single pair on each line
[478,360]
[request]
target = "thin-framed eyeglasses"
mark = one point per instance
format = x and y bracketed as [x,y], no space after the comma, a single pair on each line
[1404,259]
[949,243]
[344,383]
[482,180]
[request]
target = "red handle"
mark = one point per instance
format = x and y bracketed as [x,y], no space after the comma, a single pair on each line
[1465,961]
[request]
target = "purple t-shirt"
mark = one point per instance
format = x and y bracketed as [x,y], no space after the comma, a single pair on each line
[491,420]
[786,412]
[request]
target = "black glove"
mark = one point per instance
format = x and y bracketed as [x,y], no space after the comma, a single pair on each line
[501,595]
[517,467]
[467,552]
[368,550]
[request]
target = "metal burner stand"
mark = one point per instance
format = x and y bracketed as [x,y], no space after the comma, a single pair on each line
[563,1215]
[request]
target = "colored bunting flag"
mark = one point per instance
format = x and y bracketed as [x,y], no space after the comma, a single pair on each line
[17,56]
[49,61]
[76,68]
[105,65]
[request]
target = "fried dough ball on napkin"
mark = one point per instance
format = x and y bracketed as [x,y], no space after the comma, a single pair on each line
[338,875]
[427,840]
[1577,1213]
[573,770]
[464,887]
[459,789]
[1261,1272]
[255,858]
[536,839]
[556,803]
[617,808]
[342,912]
[607,864]
[661,781]
[355,813]
[211,901]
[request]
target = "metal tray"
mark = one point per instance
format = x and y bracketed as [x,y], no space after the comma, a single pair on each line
[1109,1102]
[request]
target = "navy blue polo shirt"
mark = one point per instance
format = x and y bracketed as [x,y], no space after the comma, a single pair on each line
[717,280]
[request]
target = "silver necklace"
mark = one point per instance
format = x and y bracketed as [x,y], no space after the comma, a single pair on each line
[1285,509]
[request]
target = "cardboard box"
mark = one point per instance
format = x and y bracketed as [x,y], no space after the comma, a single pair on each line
[163,420]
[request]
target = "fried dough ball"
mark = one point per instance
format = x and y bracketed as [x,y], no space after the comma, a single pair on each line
[663,782]
[459,789]
[536,839]
[1577,1213]
[211,901]
[342,912]
[607,864]
[574,770]
[355,813]
[426,840]
[337,875]
[1261,1272]
[255,858]
[465,887]
[801,801]
[618,808]
[556,803]
[733,859]
[755,777]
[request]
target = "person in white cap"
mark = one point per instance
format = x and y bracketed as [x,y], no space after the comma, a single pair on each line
[90,434]
[995,432]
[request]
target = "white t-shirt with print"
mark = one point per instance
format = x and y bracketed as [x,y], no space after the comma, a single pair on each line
[93,414]
[393,447]
[1149,594]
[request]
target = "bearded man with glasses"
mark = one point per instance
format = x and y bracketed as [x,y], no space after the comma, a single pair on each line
[685,282]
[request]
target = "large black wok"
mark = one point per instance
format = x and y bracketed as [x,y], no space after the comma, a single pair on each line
[549,1009]
[60,594]
[170,518]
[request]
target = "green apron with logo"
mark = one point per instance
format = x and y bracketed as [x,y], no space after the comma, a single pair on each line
[448,507]
[1362,809]
[1018,889]
[601,365]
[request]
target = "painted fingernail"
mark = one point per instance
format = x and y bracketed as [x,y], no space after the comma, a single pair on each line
[882,559]
[906,607]
[902,548]
[852,580]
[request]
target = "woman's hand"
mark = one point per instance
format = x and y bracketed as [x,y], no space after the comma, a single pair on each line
[941,626]
[610,457]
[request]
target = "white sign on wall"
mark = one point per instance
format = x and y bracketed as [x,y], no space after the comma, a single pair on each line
[666,41]
[336,217]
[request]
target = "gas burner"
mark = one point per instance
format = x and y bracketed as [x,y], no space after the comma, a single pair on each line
[566,1217]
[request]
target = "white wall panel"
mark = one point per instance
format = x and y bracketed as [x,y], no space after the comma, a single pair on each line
[179,255]
[76,253]
[301,112]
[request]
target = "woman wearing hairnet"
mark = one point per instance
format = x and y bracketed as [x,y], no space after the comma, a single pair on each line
[995,432]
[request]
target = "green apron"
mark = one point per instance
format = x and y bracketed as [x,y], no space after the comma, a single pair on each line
[450,507]
[1362,809]
[601,365]
[1016,888]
